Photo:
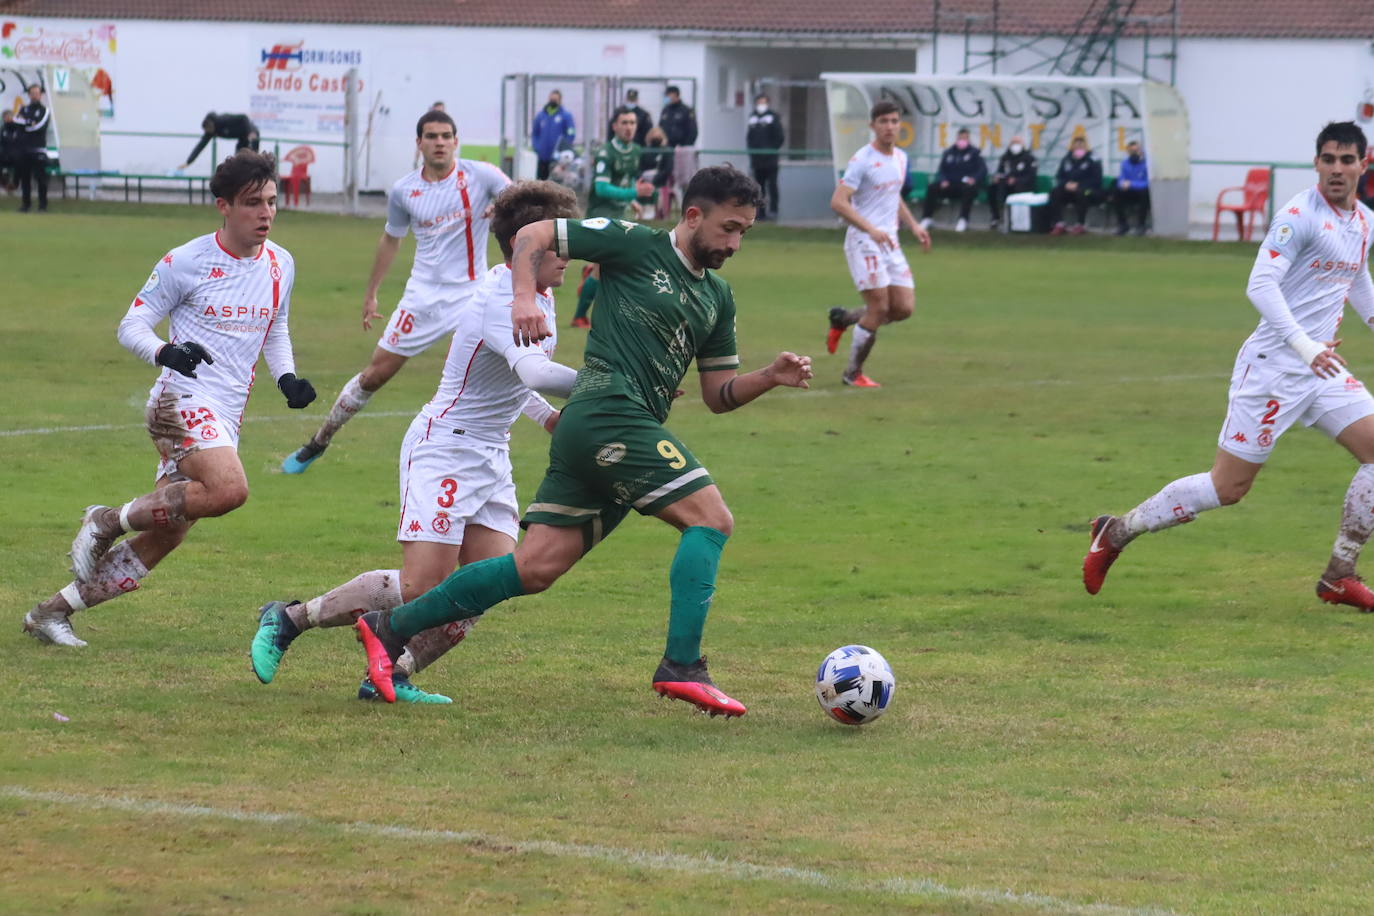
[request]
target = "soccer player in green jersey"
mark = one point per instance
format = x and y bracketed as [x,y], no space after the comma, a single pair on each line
[615,185]
[662,308]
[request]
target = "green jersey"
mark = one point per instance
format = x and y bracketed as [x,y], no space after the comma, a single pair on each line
[619,164]
[654,313]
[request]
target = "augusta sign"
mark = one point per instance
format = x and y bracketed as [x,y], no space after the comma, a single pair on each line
[1047,112]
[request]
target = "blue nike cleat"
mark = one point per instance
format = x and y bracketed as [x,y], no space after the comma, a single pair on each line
[302,458]
[406,692]
[274,636]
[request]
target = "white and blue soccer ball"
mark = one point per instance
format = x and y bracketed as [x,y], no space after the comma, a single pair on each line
[854,685]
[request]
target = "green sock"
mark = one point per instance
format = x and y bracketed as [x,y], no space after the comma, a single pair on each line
[468,592]
[692,581]
[586,297]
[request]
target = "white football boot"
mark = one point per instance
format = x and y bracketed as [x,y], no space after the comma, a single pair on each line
[51,627]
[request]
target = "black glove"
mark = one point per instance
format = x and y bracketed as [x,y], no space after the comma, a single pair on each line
[183,357]
[299,392]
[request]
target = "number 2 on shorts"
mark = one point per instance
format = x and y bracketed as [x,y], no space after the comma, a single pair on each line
[668,450]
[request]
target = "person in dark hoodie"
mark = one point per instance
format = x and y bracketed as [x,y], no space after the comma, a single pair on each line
[1016,174]
[765,134]
[1078,182]
[960,176]
[237,127]
[1131,191]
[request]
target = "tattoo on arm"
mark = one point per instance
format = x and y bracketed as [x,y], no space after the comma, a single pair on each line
[727,395]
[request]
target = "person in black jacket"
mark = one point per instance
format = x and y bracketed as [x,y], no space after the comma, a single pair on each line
[644,121]
[677,119]
[11,145]
[765,133]
[33,153]
[1016,173]
[1079,182]
[236,127]
[960,176]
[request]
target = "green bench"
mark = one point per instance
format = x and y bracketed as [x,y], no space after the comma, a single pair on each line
[134,184]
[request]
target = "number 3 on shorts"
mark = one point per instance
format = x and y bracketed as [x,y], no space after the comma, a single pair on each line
[675,459]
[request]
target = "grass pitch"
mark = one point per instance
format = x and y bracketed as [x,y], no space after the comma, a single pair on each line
[1194,739]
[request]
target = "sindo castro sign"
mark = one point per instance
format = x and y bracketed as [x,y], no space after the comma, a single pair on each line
[298,87]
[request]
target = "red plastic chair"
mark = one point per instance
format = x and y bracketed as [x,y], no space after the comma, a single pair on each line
[292,184]
[1254,199]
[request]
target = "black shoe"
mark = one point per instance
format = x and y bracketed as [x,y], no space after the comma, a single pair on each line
[24,208]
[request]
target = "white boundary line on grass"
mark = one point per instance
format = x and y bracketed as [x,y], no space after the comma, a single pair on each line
[634,858]
[824,392]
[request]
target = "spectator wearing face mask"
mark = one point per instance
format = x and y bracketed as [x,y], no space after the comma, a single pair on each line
[1016,173]
[960,176]
[1078,182]
[763,140]
[677,119]
[1131,191]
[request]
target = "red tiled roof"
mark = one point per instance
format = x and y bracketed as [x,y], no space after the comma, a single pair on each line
[1229,18]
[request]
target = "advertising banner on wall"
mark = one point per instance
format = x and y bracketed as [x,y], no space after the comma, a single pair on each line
[1048,113]
[66,52]
[298,86]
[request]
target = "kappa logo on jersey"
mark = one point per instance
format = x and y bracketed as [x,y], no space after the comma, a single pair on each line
[1352,383]
[1328,227]
[1294,210]
[215,274]
[441,524]
[414,527]
[662,283]
[626,224]
[417,192]
[1240,437]
[167,260]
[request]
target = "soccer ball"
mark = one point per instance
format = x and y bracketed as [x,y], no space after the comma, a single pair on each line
[854,685]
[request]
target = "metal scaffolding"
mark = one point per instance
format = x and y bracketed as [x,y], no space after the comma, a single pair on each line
[994,40]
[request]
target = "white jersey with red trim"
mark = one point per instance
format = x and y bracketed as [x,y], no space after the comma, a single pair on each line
[1320,252]
[480,393]
[234,307]
[877,181]
[446,217]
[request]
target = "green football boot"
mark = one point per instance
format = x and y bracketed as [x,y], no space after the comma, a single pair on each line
[275,632]
[406,692]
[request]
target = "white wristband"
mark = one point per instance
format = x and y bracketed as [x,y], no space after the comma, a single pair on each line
[1306,348]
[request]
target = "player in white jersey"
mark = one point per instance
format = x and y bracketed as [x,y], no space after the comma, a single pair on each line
[1314,258]
[869,199]
[226,297]
[447,204]
[457,495]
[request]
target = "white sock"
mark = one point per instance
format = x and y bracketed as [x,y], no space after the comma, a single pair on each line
[378,590]
[1357,522]
[859,348]
[1179,502]
[117,573]
[352,399]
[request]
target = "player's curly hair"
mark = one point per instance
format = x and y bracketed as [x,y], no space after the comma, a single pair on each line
[719,184]
[528,202]
[246,170]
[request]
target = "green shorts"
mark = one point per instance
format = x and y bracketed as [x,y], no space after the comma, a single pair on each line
[610,455]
